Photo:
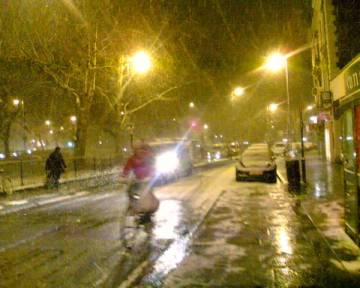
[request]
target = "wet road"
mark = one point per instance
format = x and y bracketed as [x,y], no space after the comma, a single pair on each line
[76,242]
[209,232]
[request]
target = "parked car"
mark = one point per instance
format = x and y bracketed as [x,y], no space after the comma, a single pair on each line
[256,163]
[279,148]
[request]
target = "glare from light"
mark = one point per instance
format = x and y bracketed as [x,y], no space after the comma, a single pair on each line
[51,132]
[73,118]
[206,126]
[305,139]
[125,149]
[217,155]
[122,113]
[191,105]
[309,107]
[15,154]
[284,140]
[273,107]
[313,119]
[29,151]
[246,142]
[61,128]
[167,162]
[100,142]
[16,102]
[239,91]
[47,122]
[275,62]
[70,144]
[141,62]
[2,156]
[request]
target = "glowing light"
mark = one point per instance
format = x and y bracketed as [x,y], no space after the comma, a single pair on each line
[239,91]
[305,139]
[47,122]
[70,144]
[275,62]
[313,119]
[73,119]
[51,132]
[122,113]
[15,154]
[206,126]
[2,156]
[167,162]
[285,140]
[100,142]
[191,105]
[141,62]
[61,128]
[217,155]
[310,107]
[16,102]
[273,107]
[125,149]
[29,151]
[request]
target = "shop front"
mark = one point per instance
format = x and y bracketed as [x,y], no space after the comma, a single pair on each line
[346,90]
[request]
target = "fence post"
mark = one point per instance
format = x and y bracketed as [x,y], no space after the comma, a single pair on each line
[21,172]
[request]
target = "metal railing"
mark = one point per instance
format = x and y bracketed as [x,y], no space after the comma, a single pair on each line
[31,172]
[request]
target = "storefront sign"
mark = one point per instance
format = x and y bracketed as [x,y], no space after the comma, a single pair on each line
[326,99]
[352,78]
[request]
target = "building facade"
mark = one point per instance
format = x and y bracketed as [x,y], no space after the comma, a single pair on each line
[336,74]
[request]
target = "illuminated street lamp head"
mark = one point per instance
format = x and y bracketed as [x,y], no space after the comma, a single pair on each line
[206,126]
[239,91]
[191,105]
[273,107]
[16,102]
[275,62]
[47,122]
[73,119]
[141,62]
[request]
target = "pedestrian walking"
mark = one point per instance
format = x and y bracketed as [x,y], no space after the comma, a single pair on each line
[54,167]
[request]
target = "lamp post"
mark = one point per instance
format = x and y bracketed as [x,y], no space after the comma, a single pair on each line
[274,63]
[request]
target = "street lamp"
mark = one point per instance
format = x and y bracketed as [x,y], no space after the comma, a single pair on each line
[276,62]
[141,62]
[206,126]
[47,122]
[273,107]
[73,119]
[191,105]
[239,91]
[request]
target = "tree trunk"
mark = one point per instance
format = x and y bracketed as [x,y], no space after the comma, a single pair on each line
[81,136]
[6,138]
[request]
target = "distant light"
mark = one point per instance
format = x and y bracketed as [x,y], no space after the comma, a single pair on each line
[100,142]
[191,105]
[273,107]
[239,91]
[193,124]
[198,145]
[206,126]
[51,132]
[310,107]
[217,155]
[73,118]
[61,128]
[305,139]
[16,102]
[29,151]
[216,136]
[221,136]
[2,156]
[285,140]
[313,119]
[15,154]
[141,62]
[70,144]
[34,149]
[246,142]
[174,119]
[122,113]
[125,149]
[38,144]
[33,141]
[349,138]
[47,122]
[275,62]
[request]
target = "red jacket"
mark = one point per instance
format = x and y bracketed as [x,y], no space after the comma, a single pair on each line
[142,165]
